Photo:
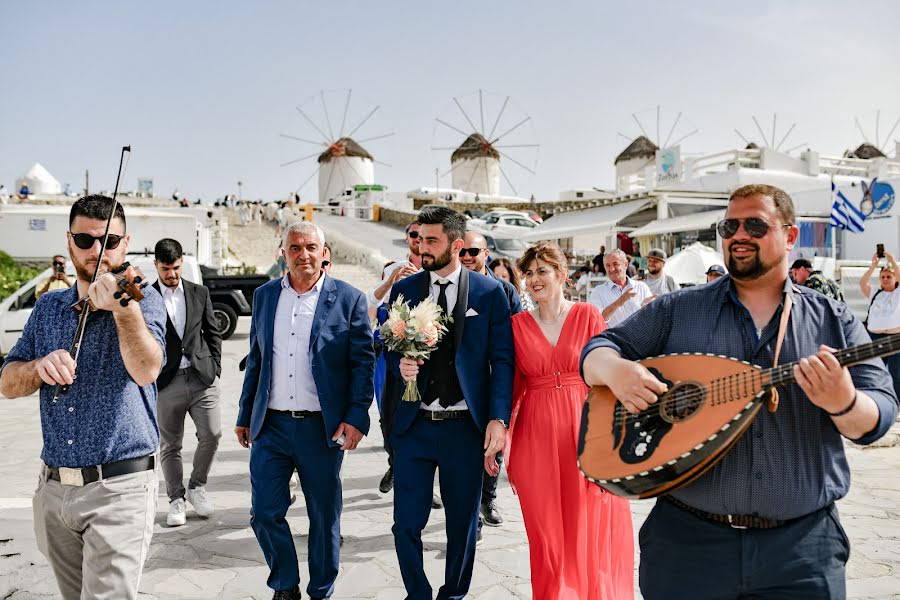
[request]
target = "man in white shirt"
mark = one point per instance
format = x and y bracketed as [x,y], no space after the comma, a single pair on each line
[305,400]
[659,283]
[397,271]
[187,383]
[621,296]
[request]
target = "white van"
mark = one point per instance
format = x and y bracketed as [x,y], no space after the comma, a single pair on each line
[15,309]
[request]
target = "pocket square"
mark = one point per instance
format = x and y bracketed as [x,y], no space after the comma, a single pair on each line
[471,313]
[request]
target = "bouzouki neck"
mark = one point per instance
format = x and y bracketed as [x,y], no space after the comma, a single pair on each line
[784,374]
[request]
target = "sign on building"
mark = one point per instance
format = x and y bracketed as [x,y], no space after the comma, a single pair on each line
[145,186]
[668,164]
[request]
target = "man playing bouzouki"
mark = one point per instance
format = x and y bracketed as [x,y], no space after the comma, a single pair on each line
[778,485]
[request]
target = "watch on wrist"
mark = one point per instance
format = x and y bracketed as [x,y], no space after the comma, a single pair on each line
[502,422]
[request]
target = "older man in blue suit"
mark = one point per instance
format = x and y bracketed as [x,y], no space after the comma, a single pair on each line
[460,425]
[305,399]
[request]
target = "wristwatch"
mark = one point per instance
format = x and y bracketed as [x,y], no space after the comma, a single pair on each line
[502,422]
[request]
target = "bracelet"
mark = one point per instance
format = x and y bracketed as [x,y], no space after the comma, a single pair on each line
[846,410]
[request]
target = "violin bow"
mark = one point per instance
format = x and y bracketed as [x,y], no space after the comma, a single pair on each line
[85,308]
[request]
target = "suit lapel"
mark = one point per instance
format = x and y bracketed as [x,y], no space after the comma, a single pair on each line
[326,300]
[270,306]
[425,286]
[462,306]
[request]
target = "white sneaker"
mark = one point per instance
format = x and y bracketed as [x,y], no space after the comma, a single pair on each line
[176,513]
[199,500]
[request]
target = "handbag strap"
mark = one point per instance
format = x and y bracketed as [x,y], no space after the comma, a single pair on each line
[782,329]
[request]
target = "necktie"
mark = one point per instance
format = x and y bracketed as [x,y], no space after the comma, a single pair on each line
[442,296]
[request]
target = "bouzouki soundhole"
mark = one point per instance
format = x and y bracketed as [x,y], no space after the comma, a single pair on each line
[682,402]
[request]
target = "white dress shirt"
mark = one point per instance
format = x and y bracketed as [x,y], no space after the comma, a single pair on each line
[293,386]
[176,306]
[373,300]
[451,293]
[604,295]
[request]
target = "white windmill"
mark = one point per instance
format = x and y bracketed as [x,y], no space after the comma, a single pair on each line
[775,141]
[502,134]
[343,162]
[632,163]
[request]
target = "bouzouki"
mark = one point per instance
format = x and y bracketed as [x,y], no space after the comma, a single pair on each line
[710,404]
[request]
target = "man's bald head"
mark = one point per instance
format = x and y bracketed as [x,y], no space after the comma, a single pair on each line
[474,240]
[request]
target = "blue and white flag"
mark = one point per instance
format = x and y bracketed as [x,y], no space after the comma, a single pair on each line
[844,215]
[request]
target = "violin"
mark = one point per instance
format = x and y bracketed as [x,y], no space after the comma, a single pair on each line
[129,285]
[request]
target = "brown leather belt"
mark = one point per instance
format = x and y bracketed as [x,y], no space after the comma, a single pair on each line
[86,475]
[736,521]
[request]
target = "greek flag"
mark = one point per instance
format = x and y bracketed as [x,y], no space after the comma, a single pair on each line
[844,215]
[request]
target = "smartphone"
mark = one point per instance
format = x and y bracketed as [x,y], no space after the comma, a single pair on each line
[879,249]
[640,273]
[60,269]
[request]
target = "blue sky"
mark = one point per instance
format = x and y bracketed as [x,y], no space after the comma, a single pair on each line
[201,90]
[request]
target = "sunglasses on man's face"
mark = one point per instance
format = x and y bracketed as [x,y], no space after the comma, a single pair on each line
[473,252]
[412,234]
[85,241]
[325,263]
[755,227]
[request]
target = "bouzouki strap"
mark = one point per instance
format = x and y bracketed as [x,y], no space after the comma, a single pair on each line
[782,329]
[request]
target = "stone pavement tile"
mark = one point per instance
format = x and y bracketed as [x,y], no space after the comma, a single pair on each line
[873,588]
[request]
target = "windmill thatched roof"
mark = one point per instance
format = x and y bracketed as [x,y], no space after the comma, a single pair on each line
[752,146]
[475,146]
[641,147]
[344,147]
[865,152]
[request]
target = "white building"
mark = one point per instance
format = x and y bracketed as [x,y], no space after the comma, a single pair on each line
[475,167]
[39,181]
[343,166]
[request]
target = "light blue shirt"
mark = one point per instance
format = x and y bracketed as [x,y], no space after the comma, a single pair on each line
[604,295]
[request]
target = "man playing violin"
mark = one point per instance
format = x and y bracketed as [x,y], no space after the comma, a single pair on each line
[762,522]
[96,497]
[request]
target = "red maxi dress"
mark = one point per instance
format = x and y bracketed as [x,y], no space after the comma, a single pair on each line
[580,537]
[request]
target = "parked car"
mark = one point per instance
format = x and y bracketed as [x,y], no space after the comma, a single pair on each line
[508,222]
[505,247]
[232,297]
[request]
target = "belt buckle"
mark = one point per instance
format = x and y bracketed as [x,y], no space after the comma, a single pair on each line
[296,414]
[72,477]
[558,379]
[733,524]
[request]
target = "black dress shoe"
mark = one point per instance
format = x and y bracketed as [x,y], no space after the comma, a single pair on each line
[436,501]
[387,482]
[491,515]
[293,594]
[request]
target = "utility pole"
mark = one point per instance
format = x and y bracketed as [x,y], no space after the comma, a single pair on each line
[87,182]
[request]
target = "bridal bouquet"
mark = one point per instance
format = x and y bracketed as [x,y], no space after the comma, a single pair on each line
[414,333]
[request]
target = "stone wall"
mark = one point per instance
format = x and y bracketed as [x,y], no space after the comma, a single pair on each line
[400,218]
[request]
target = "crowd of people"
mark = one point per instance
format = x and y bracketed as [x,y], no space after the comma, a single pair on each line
[505,384]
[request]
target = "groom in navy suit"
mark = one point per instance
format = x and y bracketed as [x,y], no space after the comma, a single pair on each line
[306,396]
[460,425]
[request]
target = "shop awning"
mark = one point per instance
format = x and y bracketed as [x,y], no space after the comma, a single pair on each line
[692,222]
[588,221]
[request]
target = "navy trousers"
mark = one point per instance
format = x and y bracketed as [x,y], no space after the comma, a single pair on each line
[285,444]
[455,448]
[684,556]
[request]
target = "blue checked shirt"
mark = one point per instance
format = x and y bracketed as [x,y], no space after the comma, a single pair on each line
[791,462]
[105,416]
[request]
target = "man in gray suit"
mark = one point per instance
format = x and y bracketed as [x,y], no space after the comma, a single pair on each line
[187,382]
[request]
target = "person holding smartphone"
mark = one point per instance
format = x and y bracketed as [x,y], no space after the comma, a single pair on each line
[883,317]
[57,279]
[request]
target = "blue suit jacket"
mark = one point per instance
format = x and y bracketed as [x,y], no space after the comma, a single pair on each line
[343,359]
[485,359]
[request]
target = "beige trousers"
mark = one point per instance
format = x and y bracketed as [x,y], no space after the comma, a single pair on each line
[96,537]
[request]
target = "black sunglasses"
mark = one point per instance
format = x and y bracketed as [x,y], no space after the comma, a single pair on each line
[473,252]
[85,241]
[757,228]
[325,263]
[58,263]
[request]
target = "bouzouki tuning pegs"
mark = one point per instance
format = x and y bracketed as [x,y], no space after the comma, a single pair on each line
[124,301]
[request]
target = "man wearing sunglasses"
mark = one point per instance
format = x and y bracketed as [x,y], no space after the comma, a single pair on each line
[58,279]
[762,522]
[96,497]
[474,256]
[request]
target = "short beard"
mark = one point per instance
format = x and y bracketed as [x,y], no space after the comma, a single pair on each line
[83,272]
[654,273]
[438,262]
[414,249]
[748,272]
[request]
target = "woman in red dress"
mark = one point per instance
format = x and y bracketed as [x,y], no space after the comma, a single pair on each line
[580,537]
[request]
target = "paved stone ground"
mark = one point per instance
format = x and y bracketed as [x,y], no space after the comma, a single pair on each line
[219,557]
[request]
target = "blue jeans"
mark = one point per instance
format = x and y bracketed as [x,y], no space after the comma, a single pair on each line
[892,363]
[685,556]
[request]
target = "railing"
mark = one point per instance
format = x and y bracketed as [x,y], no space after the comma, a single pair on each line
[841,165]
[723,161]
